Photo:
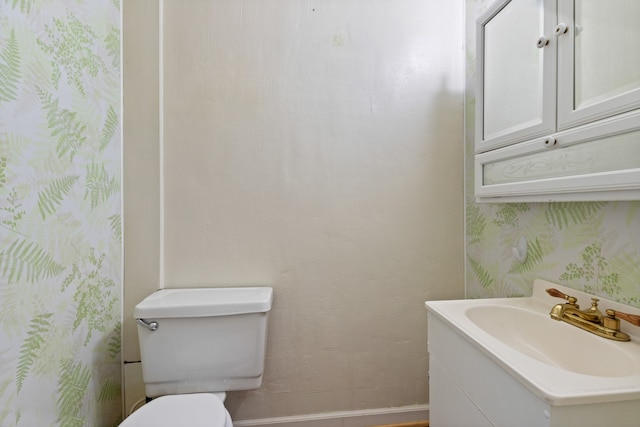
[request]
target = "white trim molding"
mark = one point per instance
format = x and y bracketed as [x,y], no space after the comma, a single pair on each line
[360,418]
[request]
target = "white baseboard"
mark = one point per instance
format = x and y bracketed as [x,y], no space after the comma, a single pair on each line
[361,418]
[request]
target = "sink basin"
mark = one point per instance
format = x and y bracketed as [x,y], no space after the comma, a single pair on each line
[560,363]
[536,335]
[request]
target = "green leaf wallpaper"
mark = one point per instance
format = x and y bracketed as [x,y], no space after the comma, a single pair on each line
[60,213]
[593,247]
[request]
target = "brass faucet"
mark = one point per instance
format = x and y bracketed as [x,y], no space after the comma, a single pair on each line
[591,319]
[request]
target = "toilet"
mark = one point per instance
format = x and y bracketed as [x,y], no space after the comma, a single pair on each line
[195,345]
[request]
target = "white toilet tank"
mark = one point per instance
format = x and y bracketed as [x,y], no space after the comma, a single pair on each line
[205,339]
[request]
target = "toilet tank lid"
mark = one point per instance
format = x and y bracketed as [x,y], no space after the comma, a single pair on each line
[204,302]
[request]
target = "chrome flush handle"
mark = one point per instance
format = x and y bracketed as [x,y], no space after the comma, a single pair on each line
[152,326]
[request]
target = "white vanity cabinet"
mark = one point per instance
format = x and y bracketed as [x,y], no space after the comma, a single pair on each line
[558,101]
[504,362]
[468,389]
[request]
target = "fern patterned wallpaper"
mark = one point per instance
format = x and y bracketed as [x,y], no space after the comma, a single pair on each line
[60,213]
[588,246]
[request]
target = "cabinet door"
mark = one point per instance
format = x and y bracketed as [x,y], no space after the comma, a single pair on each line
[598,59]
[516,72]
[449,406]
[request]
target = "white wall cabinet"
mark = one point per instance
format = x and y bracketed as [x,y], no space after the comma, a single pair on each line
[558,101]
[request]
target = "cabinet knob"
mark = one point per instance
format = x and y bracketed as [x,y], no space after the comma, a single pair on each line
[542,42]
[550,141]
[560,29]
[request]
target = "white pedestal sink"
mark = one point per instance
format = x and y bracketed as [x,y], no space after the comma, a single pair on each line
[505,362]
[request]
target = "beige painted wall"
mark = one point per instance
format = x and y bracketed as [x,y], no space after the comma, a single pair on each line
[315,147]
[141,204]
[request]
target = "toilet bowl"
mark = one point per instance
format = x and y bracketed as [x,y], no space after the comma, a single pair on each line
[181,410]
[195,345]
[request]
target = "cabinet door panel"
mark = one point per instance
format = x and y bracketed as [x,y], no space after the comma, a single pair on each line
[599,60]
[448,405]
[516,76]
[590,162]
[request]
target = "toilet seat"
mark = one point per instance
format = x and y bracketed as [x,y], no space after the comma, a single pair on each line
[188,410]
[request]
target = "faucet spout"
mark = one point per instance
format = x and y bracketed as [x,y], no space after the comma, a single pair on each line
[592,314]
[557,311]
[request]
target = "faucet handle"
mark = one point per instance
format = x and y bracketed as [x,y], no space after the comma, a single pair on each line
[631,318]
[556,293]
